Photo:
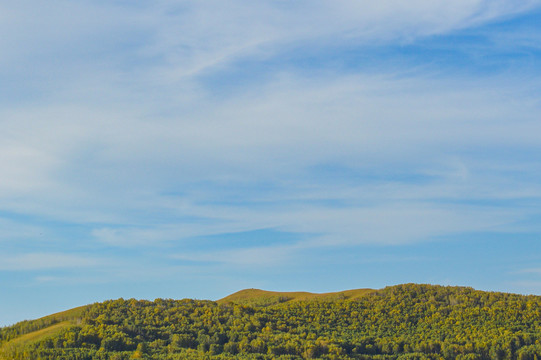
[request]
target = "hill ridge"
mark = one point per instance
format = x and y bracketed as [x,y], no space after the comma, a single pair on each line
[407,321]
[254,296]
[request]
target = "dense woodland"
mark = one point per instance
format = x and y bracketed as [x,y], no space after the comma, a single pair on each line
[400,322]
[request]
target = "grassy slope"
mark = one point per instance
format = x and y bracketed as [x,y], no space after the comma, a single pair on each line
[39,334]
[71,314]
[55,323]
[264,298]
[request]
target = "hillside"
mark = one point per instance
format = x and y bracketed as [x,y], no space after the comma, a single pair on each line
[30,332]
[256,297]
[399,322]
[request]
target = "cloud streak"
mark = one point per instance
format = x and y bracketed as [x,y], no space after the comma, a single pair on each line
[45,261]
[119,165]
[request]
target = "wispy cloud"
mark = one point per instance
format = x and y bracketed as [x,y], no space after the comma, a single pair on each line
[115,170]
[254,257]
[41,261]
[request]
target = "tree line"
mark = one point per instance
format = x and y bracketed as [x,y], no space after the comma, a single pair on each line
[396,323]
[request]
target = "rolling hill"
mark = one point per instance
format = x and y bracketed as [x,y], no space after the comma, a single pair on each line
[266,298]
[400,322]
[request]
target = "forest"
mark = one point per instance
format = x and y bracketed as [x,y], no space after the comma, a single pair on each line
[401,322]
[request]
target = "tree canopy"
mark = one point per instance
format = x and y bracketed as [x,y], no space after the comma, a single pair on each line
[396,323]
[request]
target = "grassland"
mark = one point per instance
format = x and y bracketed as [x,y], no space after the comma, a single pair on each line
[257,297]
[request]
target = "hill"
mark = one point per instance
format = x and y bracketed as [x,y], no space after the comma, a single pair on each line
[400,322]
[30,332]
[258,297]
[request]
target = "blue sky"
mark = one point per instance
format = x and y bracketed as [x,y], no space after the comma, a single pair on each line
[195,148]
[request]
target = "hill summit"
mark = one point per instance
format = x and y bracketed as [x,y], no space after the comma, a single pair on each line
[265,298]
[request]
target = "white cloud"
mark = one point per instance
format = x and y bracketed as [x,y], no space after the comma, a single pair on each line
[215,30]
[42,261]
[384,223]
[189,37]
[11,230]
[535,271]
[247,257]
[23,168]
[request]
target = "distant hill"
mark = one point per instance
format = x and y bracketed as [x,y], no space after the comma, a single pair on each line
[401,322]
[258,297]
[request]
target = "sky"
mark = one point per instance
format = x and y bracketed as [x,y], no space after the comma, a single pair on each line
[191,149]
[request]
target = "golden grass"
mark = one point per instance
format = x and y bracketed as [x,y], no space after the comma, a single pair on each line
[40,334]
[61,320]
[70,314]
[36,335]
[263,297]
